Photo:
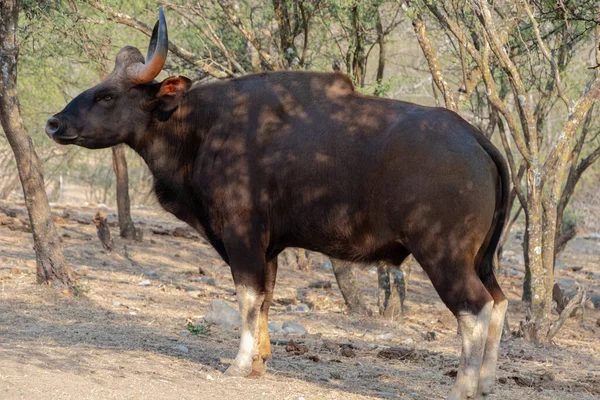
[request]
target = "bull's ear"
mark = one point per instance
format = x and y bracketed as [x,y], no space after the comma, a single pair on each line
[172,90]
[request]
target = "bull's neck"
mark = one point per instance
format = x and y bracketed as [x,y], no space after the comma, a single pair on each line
[169,148]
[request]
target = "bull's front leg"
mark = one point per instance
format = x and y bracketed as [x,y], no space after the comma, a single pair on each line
[254,280]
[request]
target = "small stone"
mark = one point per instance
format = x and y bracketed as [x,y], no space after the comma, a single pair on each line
[208,281]
[598,322]
[273,327]
[430,336]
[296,348]
[172,338]
[184,333]
[116,303]
[326,265]
[322,378]
[183,349]
[15,271]
[386,395]
[384,336]
[219,313]
[293,328]
[151,273]
[320,285]
[314,358]
[347,351]
[209,378]
[331,346]
[144,283]
[132,313]
[302,308]
[195,294]
[408,341]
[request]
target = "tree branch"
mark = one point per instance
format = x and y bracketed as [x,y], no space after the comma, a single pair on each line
[182,53]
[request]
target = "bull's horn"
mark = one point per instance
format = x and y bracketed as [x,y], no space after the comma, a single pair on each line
[157,54]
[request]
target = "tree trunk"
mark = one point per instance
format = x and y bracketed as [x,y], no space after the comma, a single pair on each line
[50,263]
[393,283]
[379,91]
[358,53]
[126,225]
[344,275]
[539,255]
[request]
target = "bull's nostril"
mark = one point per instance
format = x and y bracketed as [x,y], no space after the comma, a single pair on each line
[53,126]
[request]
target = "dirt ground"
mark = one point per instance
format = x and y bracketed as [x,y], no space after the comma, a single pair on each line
[121,340]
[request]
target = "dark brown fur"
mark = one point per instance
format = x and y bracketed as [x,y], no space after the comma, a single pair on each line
[297,159]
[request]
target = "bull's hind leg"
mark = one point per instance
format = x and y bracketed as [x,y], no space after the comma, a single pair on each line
[490,357]
[461,290]
[254,281]
[259,361]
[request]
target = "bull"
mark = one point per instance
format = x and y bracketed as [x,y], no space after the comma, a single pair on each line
[300,159]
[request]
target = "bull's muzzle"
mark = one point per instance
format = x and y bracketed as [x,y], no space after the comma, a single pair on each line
[55,129]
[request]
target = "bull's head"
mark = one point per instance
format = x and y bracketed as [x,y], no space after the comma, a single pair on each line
[124,104]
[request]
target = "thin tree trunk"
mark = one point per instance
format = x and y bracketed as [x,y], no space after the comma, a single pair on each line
[358,53]
[50,263]
[381,64]
[126,225]
[346,279]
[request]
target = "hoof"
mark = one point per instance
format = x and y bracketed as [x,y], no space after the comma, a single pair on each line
[235,370]
[259,365]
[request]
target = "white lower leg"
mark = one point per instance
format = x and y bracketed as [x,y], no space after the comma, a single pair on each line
[250,303]
[490,357]
[474,330]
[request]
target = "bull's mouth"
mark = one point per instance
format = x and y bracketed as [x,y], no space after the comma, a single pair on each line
[65,139]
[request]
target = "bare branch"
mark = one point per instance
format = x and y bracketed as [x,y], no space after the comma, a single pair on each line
[545,51]
[432,62]
[248,34]
[184,54]
[577,301]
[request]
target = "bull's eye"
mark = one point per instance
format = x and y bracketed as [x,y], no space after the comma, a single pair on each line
[107,98]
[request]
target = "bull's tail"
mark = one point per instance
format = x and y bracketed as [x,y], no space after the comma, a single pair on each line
[485,267]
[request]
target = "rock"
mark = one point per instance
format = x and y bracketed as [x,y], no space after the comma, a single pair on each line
[364,346]
[384,336]
[184,333]
[386,395]
[144,283]
[320,285]
[131,296]
[430,336]
[331,346]
[116,303]
[195,294]
[293,328]
[594,298]
[183,349]
[208,281]
[274,327]
[172,338]
[219,313]
[397,353]
[322,378]
[151,273]
[347,351]
[296,348]
[302,308]
[314,358]
[209,378]
[408,341]
[326,265]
